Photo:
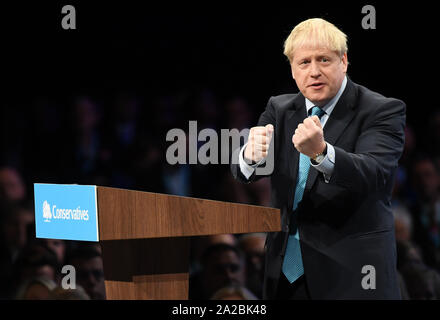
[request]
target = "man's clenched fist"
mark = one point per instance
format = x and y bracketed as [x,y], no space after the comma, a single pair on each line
[309,137]
[258,143]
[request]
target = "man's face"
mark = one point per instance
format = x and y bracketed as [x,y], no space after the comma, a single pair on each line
[57,246]
[427,179]
[15,229]
[91,277]
[222,269]
[318,73]
[11,184]
[253,247]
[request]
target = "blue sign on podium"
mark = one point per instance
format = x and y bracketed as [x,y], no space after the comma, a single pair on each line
[65,211]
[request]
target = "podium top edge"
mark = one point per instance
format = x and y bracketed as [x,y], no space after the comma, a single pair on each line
[186,197]
[156,193]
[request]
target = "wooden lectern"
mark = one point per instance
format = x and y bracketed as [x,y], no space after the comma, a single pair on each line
[145,238]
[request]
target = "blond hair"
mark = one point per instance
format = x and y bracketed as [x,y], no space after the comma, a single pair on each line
[315,33]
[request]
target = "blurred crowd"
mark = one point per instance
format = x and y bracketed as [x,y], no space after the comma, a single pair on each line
[120,141]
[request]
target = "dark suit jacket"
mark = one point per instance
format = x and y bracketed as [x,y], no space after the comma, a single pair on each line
[347,223]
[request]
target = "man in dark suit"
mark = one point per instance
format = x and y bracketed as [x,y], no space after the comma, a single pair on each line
[335,147]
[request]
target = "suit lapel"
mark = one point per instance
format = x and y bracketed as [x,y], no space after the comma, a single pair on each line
[336,123]
[341,115]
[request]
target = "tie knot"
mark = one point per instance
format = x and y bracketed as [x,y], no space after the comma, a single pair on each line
[317,111]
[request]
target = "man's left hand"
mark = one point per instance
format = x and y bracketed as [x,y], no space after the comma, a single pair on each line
[309,137]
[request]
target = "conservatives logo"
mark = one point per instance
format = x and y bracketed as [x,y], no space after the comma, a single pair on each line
[64,214]
[47,215]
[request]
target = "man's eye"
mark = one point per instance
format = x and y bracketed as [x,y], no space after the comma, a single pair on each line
[325,60]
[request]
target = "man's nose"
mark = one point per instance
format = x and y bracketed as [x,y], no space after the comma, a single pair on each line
[229,274]
[314,70]
[90,279]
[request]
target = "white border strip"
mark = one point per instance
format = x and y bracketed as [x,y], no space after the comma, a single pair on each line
[96,212]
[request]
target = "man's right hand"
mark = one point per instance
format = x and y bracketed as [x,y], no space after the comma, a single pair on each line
[258,143]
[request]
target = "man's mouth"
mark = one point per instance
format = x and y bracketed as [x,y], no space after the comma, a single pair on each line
[317,85]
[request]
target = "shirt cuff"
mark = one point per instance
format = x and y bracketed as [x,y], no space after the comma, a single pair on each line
[246,169]
[327,165]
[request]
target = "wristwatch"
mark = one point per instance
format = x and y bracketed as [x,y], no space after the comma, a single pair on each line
[320,156]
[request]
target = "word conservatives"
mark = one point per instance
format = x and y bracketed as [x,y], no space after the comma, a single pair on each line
[70,214]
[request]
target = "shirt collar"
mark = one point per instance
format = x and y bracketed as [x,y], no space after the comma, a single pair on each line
[328,108]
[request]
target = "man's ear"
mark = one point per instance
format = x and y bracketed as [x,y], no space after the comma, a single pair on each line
[291,70]
[345,61]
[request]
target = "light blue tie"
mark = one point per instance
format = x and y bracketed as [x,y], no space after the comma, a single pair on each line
[292,264]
